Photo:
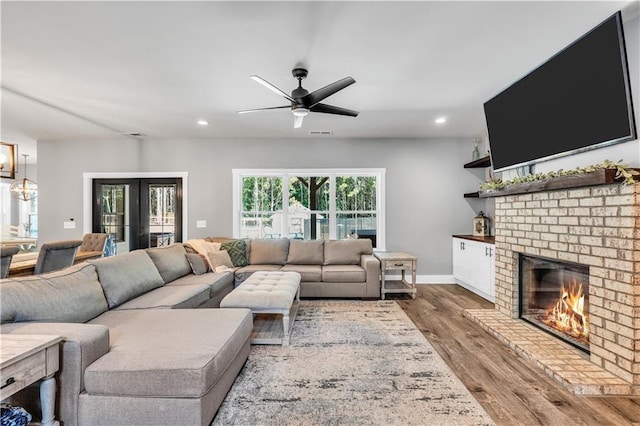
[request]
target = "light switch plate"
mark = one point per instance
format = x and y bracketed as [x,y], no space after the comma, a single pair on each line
[201,223]
[68,224]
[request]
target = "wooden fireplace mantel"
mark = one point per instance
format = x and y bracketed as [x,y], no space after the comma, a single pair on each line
[598,177]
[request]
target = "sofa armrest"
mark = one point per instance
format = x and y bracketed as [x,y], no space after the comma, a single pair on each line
[371,266]
[82,344]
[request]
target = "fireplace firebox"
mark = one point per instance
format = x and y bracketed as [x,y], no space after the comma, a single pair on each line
[554,296]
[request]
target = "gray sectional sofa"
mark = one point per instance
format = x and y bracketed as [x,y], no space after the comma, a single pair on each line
[329,268]
[134,351]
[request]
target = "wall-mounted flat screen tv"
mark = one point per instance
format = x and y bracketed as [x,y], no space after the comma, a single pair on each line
[577,100]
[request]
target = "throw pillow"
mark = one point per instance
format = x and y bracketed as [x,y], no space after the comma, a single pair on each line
[220,258]
[203,247]
[199,265]
[237,250]
[14,415]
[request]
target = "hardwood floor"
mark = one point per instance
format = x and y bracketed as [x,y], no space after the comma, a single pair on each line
[511,390]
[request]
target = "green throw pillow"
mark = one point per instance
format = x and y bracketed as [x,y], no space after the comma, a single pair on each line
[237,250]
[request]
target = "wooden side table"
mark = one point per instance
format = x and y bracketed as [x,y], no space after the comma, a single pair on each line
[397,261]
[25,359]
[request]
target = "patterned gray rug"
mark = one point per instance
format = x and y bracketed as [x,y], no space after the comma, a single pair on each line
[350,363]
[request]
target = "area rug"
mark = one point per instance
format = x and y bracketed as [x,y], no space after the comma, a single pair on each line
[350,363]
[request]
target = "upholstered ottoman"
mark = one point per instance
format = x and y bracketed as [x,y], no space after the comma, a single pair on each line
[269,293]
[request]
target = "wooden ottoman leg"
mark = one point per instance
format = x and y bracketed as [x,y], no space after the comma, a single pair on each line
[285,328]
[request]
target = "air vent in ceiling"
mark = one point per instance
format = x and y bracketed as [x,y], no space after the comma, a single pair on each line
[320,132]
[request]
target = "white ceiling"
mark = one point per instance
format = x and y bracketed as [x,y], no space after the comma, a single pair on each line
[87,70]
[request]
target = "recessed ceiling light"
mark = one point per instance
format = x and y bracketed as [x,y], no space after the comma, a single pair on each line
[203,122]
[441,120]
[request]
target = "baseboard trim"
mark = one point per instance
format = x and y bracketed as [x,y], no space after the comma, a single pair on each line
[435,279]
[429,279]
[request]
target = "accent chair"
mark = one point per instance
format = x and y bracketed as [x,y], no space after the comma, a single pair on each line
[56,255]
[6,254]
[94,242]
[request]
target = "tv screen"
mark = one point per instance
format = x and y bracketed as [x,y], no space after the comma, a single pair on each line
[577,100]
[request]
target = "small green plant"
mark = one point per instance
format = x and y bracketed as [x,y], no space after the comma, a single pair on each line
[622,172]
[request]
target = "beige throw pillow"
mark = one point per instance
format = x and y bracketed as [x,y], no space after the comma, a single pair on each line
[220,261]
[203,247]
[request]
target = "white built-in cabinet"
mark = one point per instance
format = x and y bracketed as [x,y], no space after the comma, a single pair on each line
[474,266]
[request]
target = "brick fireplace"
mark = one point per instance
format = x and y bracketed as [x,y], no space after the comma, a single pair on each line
[596,226]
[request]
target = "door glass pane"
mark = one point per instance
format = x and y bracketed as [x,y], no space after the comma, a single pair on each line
[162,224]
[114,214]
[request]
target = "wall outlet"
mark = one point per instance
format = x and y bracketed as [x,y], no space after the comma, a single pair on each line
[69,224]
[201,223]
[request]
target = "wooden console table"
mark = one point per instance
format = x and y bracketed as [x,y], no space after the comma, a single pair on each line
[397,261]
[23,264]
[25,359]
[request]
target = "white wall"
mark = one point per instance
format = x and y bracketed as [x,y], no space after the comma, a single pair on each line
[424,182]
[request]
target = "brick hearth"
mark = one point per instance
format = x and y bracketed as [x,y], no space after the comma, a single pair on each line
[597,226]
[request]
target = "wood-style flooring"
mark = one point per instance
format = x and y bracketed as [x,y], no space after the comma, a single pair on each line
[511,390]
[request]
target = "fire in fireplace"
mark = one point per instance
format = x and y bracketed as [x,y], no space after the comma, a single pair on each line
[554,295]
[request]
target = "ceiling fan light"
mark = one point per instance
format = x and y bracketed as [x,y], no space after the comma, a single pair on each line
[300,112]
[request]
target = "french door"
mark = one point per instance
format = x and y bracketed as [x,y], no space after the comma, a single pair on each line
[138,213]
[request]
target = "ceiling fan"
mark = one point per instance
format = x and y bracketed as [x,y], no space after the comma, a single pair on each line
[303,102]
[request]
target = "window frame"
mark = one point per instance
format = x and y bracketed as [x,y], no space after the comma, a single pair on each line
[285,174]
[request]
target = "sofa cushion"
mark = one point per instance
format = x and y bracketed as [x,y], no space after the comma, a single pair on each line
[69,295]
[346,252]
[306,252]
[199,263]
[309,273]
[269,252]
[126,276]
[215,281]
[246,271]
[343,274]
[171,261]
[143,362]
[175,297]
[237,250]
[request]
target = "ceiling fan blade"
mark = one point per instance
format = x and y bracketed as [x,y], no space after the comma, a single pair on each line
[297,121]
[330,109]
[262,109]
[318,95]
[270,86]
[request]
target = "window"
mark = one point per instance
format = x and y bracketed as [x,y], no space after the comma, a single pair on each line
[309,204]
[17,218]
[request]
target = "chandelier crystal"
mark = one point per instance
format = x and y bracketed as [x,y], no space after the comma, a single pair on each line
[24,189]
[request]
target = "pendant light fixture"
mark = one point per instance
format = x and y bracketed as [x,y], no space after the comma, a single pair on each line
[24,189]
